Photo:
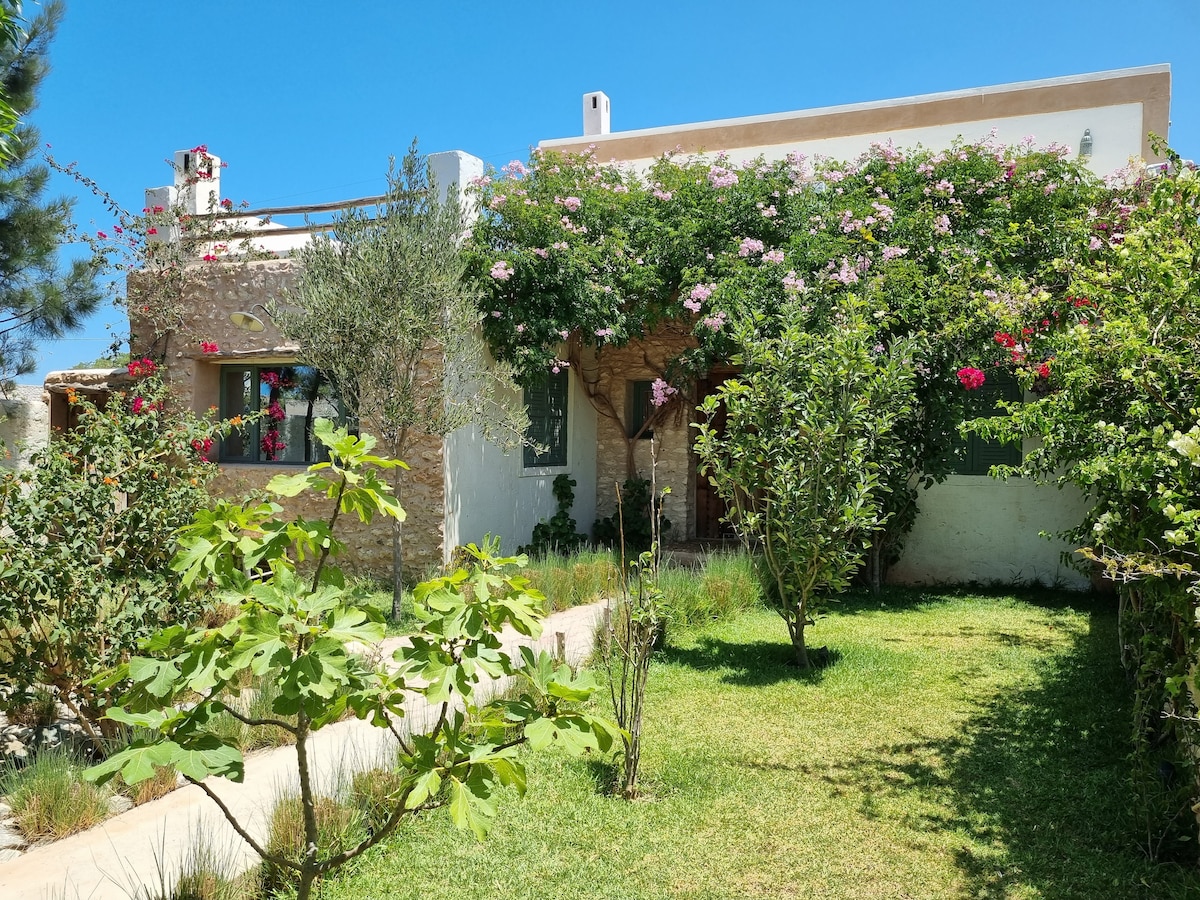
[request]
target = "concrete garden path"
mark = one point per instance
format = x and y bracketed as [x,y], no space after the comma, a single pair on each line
[140,852]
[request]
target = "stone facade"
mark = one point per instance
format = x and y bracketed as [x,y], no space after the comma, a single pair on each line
[24,424]
[609,378]
[215,291]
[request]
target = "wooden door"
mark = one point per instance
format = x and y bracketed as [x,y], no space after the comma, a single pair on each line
[710,508]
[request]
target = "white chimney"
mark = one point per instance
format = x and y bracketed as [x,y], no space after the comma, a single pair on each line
[198,181]
[458,170]
[597,116]
[197,190]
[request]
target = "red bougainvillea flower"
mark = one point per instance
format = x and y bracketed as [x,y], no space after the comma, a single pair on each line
[141,367]
[138,403]
[1004,339]
[1044,370]
[209,347]
[210,257]
[227,203]
[970,378]
[202,446]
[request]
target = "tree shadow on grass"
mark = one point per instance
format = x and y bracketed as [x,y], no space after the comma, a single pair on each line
[753,663]
[1037,780]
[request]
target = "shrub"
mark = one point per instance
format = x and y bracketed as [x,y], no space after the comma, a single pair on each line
[50,798]
[36,710]
[722,587]
[373,792]
[90,531]
[559,534]
[635,527]
[798,459]
[575,579]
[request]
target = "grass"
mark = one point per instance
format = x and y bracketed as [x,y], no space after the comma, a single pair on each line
[721,587]
[254,703]
[50,799]
[574,579]
[957,746]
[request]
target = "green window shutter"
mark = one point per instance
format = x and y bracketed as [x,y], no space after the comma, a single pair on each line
[639,408]
[546,405]
[982,454]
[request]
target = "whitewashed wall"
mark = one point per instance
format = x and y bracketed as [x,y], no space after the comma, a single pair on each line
[973,528]
[488,492]
[1116,137]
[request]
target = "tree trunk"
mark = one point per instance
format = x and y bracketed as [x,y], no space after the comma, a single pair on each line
[397,554]
[796,630]
[875,563]
[308,872]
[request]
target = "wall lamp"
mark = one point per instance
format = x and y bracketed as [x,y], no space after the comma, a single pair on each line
[247,321]
[1085,144]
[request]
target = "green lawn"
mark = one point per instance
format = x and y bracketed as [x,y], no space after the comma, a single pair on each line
[958,746]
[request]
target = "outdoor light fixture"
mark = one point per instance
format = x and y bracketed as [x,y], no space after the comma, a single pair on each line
[247,321]
[1085,144]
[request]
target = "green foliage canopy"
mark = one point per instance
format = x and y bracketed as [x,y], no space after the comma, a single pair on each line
[938,245]
[89,532]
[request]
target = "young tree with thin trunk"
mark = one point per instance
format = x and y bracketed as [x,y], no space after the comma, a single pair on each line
[383,308]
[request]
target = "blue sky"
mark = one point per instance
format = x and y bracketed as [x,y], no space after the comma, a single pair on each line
[306,101]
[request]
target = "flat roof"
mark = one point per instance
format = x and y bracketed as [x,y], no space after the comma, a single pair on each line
[1149,85]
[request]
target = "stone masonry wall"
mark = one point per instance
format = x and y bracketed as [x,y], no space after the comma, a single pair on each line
[24,424]
[609,378]
[216,291]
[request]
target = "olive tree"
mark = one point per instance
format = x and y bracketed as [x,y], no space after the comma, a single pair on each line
[383,309]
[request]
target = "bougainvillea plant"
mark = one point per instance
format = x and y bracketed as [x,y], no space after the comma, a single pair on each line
[574,253]
[1113,359]
[156,249]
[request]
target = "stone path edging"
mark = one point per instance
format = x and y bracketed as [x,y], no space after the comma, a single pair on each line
[135,854]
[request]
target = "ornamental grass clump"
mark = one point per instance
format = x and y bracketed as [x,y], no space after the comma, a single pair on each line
[50,798]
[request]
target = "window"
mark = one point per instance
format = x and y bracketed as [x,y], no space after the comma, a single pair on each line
[639,407]
[981,454]
[290,399]
[546,404]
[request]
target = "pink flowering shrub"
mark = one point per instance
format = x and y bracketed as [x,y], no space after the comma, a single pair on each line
[940,264]
[970,378]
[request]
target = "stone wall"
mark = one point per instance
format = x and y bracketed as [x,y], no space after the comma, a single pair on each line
[24,424]
[609,377]
[215,291]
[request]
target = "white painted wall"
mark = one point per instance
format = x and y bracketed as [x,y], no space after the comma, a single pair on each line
[976,528]
[488,492]
[1116,136]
